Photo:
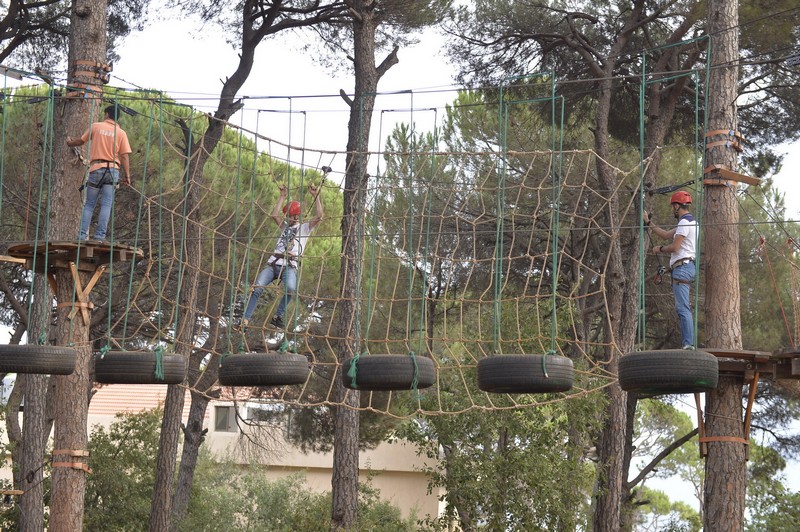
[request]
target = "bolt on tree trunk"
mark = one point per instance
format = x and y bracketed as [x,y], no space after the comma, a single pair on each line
[726,462]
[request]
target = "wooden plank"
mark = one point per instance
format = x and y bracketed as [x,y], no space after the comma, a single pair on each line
[757,356]
[724,173]
[8,258]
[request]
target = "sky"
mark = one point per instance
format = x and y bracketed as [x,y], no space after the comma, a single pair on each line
[191,70]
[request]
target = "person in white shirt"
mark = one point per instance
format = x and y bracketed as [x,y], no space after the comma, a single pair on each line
[285,259]
[682,253]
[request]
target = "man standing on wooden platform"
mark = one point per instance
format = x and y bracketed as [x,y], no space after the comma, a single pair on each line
[108,165]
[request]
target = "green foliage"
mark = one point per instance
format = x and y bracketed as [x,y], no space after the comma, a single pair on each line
[477,455]
[657,512]
[9,515]
[119,491]
[37,35]
[658,424]
[770,505]
[228,496]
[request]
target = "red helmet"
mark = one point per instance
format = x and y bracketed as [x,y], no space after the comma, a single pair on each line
[681,197]
[292,208]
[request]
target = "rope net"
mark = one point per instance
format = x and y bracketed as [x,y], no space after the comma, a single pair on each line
[448,272]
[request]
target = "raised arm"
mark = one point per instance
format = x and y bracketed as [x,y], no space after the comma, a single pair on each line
[666,234]
[277,214]
[318,211]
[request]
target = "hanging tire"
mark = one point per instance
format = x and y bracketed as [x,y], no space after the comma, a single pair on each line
[525,374]
[33,358]
[668,372]
[388,372]
[138,367]
[263,369]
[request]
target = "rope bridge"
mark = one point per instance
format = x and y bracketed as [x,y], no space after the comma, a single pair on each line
[449,273]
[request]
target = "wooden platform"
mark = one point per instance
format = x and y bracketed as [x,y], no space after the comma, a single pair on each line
[784,364]
[86,255]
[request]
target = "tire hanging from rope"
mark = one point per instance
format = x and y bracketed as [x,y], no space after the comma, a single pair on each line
[526,373]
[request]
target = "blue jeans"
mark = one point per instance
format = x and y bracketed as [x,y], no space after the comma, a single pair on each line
[98,187]
[269,274]
[684,273]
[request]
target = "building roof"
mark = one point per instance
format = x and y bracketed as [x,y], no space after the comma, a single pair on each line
[113,399]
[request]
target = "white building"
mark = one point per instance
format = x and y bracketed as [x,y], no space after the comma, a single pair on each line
[394,468]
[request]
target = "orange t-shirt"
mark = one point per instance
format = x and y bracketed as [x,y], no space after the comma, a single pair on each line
[109,141]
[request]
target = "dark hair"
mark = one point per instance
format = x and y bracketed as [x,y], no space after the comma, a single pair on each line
[112,111]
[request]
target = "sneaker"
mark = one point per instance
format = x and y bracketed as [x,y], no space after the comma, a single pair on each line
[277,321]
[241,325]
[688,348]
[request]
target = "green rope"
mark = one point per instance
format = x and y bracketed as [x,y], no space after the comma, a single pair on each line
[92,113]
[412,212]
[233,262]
[160,212]
[498,238]
[360,230]
[699,191]
[159,372]
[426,253]
[296,308]
[109,317]
[352,372]
[641,312]
[184,214]
[374,238]
[641,335]
[556,175]
[46,175]
[284,347]
[556,168]
[415,379]
[250,223]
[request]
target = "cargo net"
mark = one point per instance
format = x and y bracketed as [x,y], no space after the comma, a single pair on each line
[458,238]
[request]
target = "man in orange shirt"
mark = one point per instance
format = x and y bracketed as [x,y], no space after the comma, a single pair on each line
[108,155]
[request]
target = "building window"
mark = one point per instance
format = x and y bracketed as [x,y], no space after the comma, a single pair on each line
[270,413]
[225,419]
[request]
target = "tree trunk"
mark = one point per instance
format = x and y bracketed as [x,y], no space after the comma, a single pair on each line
[619,327]
[344,512]
[161,508]
[725,464]
[193,437]
[87,42]
[202,385]
[612,438]
[35,429]
[167,506]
